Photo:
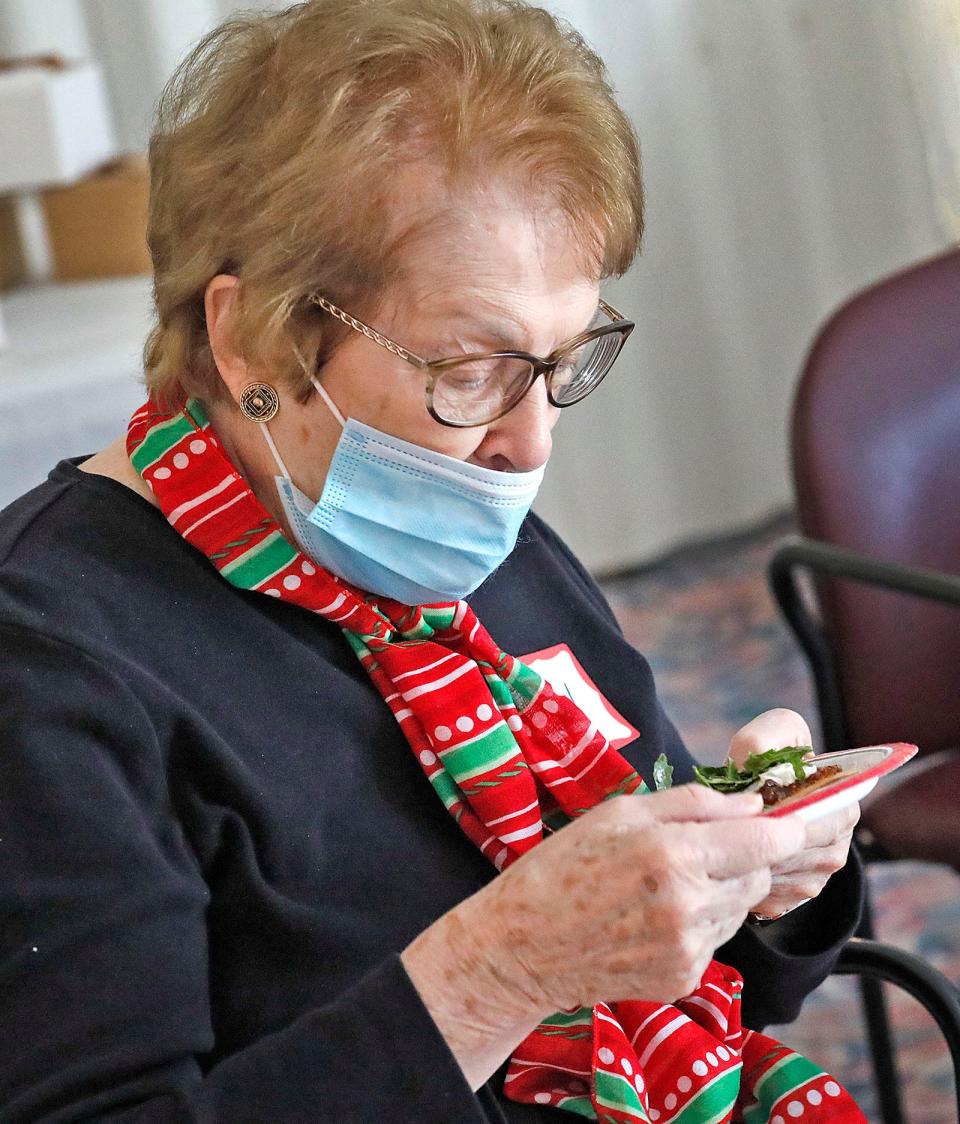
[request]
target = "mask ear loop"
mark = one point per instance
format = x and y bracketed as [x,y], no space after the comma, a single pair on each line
[331,405]
[264,429]
[329,401]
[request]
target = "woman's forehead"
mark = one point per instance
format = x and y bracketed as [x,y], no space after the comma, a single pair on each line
[498,229]
[497,263]
[505,231]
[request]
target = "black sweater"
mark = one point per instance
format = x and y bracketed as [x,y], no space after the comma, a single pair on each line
[215,841]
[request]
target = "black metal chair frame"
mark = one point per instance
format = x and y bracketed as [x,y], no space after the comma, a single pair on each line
[875,962]
[822,558]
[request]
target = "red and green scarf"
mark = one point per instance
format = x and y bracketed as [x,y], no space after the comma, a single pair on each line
[510,760]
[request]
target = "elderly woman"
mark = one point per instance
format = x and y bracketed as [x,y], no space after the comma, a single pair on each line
[269,735]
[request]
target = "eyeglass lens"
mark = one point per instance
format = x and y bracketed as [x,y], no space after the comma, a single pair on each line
[581,370]
[483,389]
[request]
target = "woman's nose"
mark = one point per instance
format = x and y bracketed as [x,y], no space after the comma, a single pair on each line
[521,440]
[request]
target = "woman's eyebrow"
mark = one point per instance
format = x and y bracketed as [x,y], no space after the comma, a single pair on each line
[490,328]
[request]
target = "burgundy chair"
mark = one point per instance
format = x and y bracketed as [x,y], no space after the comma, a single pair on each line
[876,465]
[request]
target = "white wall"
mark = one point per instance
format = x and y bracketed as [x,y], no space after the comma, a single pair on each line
[786,162]
[784,168]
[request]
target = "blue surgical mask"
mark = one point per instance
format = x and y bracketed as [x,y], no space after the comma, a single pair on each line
[405,522]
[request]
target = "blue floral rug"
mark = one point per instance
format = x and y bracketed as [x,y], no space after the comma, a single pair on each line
[704,619]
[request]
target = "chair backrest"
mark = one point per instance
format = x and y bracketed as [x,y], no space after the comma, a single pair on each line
[876,462]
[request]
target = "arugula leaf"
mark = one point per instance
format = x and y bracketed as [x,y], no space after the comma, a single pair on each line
[793,755]
[723,778]
[728,778]
[662,773]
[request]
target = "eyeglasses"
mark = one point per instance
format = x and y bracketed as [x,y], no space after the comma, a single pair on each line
[476,389]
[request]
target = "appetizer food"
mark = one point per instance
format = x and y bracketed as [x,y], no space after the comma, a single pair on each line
[776,774]
[773,791]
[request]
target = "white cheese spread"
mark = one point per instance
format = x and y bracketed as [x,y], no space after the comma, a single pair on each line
[782,774]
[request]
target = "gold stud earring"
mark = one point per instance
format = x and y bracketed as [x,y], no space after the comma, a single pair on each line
[259,402]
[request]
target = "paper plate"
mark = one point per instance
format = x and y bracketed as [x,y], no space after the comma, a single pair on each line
[862,768]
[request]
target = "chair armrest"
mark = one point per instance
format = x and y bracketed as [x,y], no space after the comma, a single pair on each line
[808,554]
[839,562]
[935,993]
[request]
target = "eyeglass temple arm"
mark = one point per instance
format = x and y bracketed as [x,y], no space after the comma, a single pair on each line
[371,333]
[398,349]
[611,311]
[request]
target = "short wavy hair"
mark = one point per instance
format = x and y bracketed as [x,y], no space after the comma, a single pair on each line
[280,143]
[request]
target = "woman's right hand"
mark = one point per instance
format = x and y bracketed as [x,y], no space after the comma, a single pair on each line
[628,902]
[632,899]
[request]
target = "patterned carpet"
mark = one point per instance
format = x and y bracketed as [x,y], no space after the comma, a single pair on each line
[704,619]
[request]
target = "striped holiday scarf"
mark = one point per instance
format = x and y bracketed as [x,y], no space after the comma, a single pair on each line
[510,760]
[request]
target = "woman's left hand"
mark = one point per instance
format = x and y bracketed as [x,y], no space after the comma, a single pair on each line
[803,876]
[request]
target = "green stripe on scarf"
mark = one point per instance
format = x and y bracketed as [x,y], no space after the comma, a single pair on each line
[445,788]
[160,440]
[439,617]
[524,680]
[713,1103]
[260,562]
[779,1080]
[583,1016]
[582,1106]
[618,1093]
[499,690]
[489,751]
[196,411]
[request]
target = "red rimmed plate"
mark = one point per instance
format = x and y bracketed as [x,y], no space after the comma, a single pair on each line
[862,768]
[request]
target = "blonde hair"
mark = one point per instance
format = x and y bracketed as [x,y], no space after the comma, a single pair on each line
[279,148]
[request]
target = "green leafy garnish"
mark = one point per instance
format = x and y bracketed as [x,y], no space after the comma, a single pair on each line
[793,755]
[724,778]
[662,773]
[727,777]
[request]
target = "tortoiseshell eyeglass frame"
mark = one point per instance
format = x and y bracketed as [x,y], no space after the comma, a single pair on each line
[539,365]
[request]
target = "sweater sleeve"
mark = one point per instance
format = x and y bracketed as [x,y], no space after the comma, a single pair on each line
[104,988]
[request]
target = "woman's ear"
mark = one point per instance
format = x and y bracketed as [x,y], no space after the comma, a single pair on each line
[220,306]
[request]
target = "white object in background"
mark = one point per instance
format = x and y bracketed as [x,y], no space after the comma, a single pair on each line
[54,125]
[3,334]
[70,376]
[929,34]
[34,241]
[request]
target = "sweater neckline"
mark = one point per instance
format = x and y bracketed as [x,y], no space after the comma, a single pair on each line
[68,470]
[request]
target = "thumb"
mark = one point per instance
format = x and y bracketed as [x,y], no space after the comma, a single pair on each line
[774,729]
